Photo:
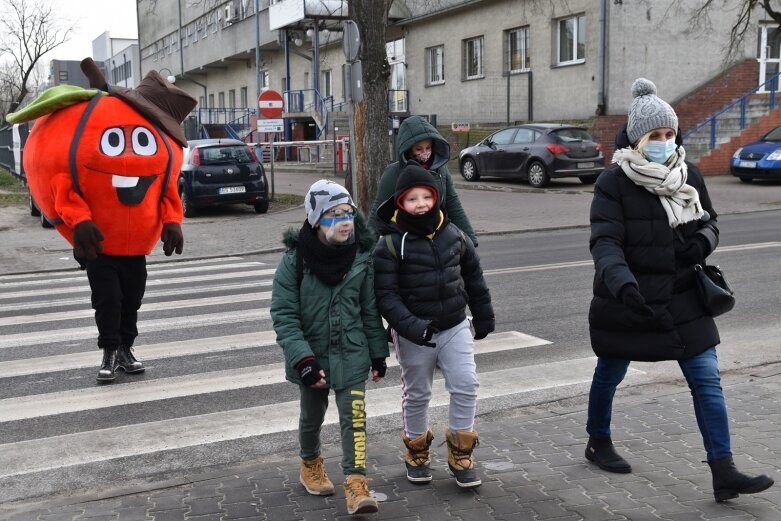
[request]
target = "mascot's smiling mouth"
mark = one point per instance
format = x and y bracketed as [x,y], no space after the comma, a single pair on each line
[132,190]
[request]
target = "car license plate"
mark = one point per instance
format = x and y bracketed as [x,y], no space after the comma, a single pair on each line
[747,164]
[590,164]
[232,190]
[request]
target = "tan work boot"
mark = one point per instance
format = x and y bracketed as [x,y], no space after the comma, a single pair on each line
[356,492]
[418,458]
[459,457]
[314,478]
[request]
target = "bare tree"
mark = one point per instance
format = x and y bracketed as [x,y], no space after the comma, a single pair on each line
[746,11]
[371,114]
[28,30]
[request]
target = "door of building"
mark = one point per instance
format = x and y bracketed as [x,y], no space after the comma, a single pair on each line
[769,55]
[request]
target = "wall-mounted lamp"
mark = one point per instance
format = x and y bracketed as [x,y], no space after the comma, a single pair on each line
[309,33]
[298,42]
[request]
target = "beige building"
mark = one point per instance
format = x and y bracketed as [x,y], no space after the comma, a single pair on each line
[479,61]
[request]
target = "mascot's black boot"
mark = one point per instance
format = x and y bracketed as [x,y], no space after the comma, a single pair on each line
[729,482]
[108,366]
[127,362]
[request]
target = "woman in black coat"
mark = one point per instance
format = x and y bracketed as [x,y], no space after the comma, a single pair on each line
[651,222]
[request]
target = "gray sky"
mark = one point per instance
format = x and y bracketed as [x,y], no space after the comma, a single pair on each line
[91,19]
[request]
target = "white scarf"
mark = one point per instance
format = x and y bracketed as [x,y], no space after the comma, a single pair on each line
[679,200]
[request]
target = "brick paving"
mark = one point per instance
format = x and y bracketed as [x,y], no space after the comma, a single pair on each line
[530,459]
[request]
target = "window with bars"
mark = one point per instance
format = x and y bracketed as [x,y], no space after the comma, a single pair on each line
[572,40]
[435,65]
[473,58]
[518,55]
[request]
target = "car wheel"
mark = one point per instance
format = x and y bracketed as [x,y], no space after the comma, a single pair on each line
[747,179]
[261,207]
[538,177]
[45,222]
[34,211]
[589,179]
[188,209]
[469,170]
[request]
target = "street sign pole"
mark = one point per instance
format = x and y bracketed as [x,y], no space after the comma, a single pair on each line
[351,43]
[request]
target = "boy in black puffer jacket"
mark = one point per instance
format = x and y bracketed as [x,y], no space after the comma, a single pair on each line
[426,273]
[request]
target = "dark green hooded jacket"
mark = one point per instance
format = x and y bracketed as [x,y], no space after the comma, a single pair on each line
[340,326]
[412,130]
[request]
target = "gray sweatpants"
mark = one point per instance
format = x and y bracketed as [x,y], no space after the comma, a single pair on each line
[454,356]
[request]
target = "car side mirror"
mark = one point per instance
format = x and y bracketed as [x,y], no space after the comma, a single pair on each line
[490,143]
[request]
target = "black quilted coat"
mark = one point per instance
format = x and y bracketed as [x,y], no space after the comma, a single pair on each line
[429,280]
[632,242]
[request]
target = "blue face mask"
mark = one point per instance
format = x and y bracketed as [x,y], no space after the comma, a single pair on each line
[659,151]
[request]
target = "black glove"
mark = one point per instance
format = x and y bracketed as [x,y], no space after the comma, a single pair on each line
[309,371]
[482,328]
[427,335]
[87,239]
[630,297]
[172,239]
[693,252]
[379,365]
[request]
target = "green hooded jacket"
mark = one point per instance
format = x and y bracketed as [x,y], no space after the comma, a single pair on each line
[340,326]
[412,130]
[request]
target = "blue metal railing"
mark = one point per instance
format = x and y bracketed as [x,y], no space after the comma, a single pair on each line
[308,100]
[741,103]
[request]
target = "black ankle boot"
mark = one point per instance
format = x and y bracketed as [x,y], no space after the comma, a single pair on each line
[729,482]
[605,456]
[127,362]
[108,366]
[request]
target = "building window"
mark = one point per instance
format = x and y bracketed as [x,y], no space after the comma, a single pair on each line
[63,75]
[473,58]
[232,98]
[325,84]
[572,40]
[221,98]
[518,57]
[211,101]
[435,66]
[243,96]
[264,80]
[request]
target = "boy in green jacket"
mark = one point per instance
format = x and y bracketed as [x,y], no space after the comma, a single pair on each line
[328,326]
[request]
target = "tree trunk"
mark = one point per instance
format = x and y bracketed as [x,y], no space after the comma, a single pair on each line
[372,148]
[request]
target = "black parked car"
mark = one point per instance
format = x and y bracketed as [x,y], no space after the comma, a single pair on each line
[535,152]
[221,171]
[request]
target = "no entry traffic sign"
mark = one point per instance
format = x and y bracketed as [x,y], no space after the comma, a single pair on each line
[270,104]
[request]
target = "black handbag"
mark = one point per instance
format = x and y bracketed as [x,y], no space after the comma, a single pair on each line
[715,292]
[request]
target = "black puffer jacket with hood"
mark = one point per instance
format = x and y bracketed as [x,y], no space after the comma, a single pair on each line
[412,130]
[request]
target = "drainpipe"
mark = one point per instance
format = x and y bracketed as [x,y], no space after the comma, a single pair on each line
[601,55]
[181,61]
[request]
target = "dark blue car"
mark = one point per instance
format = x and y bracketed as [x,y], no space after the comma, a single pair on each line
[760,159]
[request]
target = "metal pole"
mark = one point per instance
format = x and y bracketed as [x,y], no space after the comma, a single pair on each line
[257,58]
[508,96]
[271,148]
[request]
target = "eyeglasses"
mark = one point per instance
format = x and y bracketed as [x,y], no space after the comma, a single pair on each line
[339,214]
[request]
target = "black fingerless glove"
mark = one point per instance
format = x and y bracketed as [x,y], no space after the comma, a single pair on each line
[427,335]
[379,365]
[482,328]
[309,371]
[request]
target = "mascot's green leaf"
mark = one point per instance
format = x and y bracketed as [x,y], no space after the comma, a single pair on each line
[52,100]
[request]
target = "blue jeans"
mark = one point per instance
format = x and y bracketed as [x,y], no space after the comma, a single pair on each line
[702,375]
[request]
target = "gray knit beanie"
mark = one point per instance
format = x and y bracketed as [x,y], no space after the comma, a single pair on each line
[322,196]
[648,111]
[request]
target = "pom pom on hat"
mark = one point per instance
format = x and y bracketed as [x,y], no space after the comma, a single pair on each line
[647,111]
[643,87]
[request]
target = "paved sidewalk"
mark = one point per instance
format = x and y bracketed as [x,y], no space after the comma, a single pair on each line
[531,462]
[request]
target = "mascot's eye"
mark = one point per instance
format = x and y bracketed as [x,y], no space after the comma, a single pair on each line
[144,143]
[112,143]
